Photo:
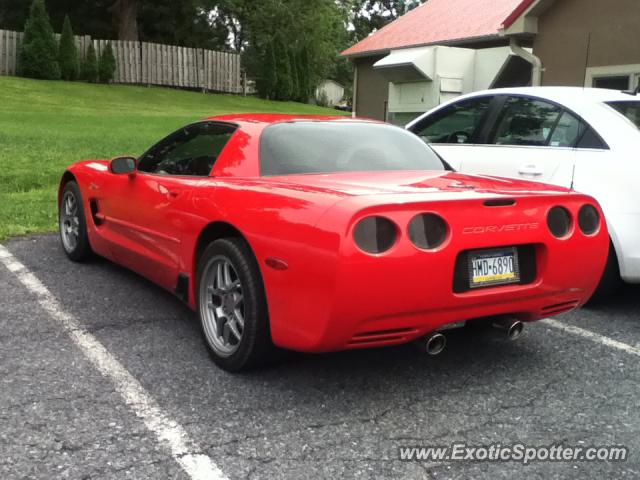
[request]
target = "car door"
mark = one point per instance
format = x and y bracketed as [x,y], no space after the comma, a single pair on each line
[530,139]
[146,212]
[454,131]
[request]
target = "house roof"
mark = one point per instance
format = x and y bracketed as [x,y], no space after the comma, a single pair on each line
[442,21]
[520,9]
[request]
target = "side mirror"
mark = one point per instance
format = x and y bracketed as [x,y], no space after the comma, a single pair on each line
[123,165]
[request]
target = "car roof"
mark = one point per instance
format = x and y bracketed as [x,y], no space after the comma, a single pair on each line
[266,119]
[565,94]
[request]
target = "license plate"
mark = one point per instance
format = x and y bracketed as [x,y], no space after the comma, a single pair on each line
[493,267]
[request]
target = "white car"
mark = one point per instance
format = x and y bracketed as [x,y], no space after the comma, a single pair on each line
[581,138]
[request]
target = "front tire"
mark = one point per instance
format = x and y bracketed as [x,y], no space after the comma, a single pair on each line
[232,306]
[72,223]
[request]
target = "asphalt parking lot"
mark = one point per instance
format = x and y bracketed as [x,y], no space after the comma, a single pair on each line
[313,416]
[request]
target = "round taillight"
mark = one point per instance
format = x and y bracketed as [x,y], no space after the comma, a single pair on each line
[559,222]
[589,220]
[375,234]
[428,231]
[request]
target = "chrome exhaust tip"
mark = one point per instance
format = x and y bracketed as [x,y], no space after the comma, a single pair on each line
[434,343]
[512,327]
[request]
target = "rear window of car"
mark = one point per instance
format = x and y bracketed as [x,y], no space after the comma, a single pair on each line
[342,146]
[631,110]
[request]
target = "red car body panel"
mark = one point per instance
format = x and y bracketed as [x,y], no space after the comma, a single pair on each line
[323,292]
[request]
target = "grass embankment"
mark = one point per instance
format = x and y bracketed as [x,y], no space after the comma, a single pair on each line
[45,126]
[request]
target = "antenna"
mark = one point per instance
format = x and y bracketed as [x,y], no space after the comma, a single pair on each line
[586,60]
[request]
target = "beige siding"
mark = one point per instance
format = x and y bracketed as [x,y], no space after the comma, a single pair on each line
[372,90]
[563,35]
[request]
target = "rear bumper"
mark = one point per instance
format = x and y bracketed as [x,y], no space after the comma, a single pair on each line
[403,328]
[415,296]
[349,299]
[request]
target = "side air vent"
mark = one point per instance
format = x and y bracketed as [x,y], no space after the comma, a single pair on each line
[98,218]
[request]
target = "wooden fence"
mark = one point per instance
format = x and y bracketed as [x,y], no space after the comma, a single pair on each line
[150,63]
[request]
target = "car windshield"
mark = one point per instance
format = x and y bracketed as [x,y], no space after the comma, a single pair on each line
[330,147]
[631,110]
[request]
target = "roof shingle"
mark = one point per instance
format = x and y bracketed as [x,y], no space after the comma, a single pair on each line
[438,21]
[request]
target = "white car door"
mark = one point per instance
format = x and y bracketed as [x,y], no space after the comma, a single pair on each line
[453,130]
[528,139]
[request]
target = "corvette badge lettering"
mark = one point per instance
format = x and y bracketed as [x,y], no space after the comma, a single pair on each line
[515,227]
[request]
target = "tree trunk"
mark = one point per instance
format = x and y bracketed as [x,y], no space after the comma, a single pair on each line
[126,12]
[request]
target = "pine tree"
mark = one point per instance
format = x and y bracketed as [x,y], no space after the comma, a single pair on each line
[284,85]
[39,51]
[296,93]
[68,53]
[304,76]
[270,76]
[107,67]
[90,65]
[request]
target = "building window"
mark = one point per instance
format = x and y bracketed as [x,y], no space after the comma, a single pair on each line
[614,82]
[615,77]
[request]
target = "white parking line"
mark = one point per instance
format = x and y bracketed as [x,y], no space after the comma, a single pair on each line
[168,432]
[594,337]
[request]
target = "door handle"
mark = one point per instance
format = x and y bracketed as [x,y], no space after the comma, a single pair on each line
[532,170]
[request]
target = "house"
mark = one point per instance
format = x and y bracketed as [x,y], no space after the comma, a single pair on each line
[445,48]
[329,93]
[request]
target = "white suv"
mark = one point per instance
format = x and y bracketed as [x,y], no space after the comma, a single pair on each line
[580,138]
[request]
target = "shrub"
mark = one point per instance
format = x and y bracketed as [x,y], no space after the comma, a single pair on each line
[90,65]
[322,100]
[107,67]
[68,53]
[39,51]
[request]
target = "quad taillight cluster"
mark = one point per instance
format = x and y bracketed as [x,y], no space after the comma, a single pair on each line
[428,231]
[377,234]
[561,222]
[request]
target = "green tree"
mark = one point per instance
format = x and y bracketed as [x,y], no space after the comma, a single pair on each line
[107,67]
[184,22]
[68,53]
[284,85]
[267,83]
[317,27]
[296,93]
[90,65]
[39,50]
[367,16]
[304,85]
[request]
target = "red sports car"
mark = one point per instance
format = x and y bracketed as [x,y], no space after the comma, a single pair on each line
[319,234]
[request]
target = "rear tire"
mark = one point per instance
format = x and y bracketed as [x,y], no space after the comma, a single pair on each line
[610,282]
[72,223]
[232,306]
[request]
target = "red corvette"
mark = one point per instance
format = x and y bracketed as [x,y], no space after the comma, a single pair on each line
[319,234]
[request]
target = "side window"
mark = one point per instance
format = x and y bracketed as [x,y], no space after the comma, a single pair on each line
[590,139]
[567,132]
[525,121]
[191,151]
[458,123]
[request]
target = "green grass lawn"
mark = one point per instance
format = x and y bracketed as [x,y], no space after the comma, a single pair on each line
[45,126]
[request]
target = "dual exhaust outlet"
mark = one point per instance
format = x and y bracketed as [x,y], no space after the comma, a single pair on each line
[435,342]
